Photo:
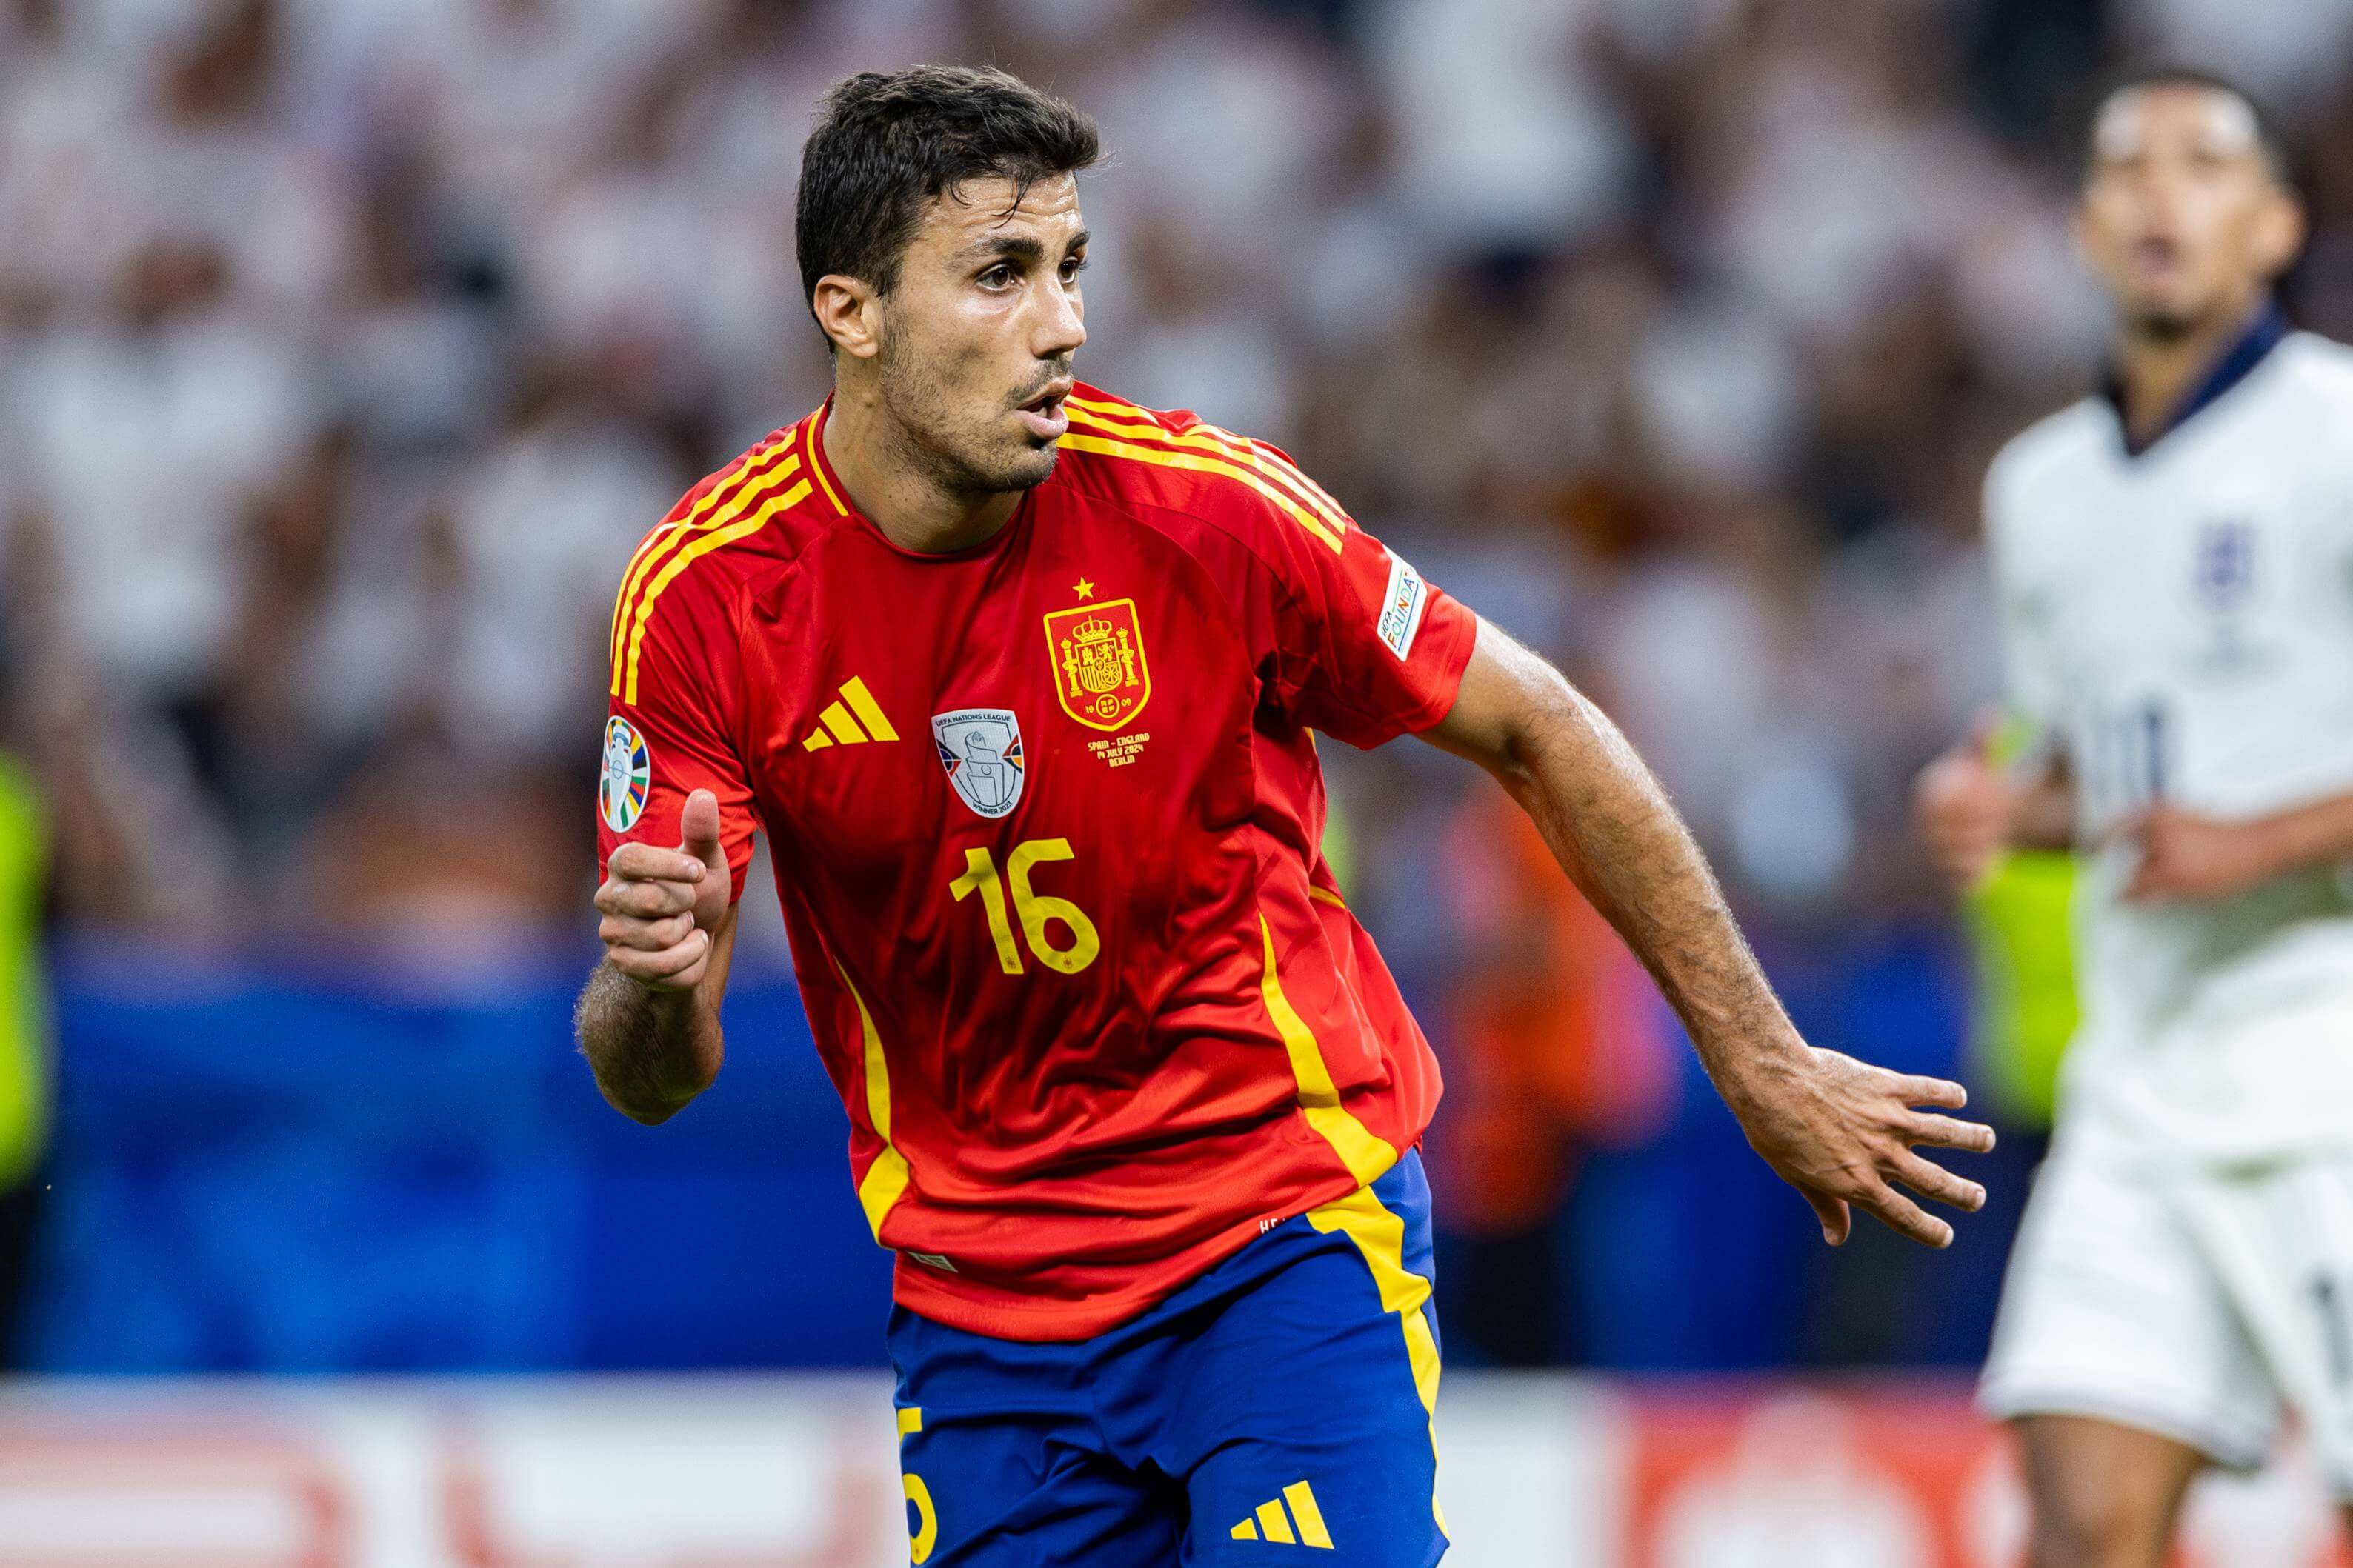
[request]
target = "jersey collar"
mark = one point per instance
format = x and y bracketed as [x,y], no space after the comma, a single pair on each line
[812,438]
[2264,334]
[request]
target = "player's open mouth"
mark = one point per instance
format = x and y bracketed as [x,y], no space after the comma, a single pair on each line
[1045,415]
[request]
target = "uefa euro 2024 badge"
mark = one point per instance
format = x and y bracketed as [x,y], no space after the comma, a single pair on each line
[981,750]
[629,775]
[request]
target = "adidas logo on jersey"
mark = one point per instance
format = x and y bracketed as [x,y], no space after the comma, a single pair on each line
[841,725]
[1272,1524]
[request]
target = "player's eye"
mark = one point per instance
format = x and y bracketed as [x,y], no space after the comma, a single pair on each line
[1071,266]
[998,276]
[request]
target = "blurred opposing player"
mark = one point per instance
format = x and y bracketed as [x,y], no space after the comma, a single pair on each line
[2174,566]
[1019,678]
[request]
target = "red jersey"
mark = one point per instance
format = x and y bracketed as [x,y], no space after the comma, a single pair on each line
[1046,814]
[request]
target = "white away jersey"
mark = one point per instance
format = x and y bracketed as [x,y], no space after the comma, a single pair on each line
[2183,621]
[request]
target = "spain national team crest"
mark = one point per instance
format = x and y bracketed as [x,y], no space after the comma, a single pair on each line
[1099,669]
[981,750]
[629,775]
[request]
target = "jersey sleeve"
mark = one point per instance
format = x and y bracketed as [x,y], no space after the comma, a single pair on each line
[672,727]
[1361,645]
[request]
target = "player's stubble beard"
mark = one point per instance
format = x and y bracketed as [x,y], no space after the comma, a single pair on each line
[951,436]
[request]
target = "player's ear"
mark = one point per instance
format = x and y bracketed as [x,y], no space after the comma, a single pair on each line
[849,313]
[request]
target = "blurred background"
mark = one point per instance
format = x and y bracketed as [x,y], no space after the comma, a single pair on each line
[347,348]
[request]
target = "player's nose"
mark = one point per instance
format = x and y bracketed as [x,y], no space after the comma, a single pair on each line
[1061,325]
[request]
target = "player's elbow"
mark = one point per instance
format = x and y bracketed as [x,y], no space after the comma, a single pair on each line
[644,1112]
[1543,713]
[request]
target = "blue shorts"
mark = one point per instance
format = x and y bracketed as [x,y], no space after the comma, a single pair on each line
[1277,1409]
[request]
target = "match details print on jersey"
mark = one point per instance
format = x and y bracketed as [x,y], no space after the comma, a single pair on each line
[1046,821]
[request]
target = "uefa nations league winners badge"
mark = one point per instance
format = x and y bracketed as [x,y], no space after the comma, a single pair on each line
[981,750]
[629,775]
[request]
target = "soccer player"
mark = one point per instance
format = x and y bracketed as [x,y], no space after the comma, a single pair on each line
[1020,679]
[2175,567]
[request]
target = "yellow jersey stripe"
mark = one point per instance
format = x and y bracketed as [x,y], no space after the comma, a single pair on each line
[1201,463]
[1277,1528]
[686,557]
[1379,1236]
[1217,439]
[1246,1531]
[1327,895]
[1234,449]
[1301,1498]
[886,1179]
[911,1420]
[869,712]
[704,519]
[1319,1100]
[652,546]
[816,424]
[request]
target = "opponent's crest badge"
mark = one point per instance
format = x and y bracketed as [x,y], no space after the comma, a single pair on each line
[629,775]
[981,750]
[1100,673]
[2226,565]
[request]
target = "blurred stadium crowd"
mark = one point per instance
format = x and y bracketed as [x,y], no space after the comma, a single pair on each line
[348,346]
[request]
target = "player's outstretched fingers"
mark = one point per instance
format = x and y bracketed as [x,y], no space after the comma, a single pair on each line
[1905,1217]
[1931,1180]
[1945,1133]
[1836,1217]
[1919,1091]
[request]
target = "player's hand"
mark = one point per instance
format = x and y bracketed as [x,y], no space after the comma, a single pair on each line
[2187,856]
[1967,806]
[661,906]
[1843,1132]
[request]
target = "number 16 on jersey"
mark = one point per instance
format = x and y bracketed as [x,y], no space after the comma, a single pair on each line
[1034,910]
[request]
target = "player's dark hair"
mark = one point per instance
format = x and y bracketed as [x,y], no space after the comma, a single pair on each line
[2274,146]
[886,143]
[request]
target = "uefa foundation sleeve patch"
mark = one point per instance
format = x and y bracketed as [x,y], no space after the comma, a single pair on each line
[629,775]
[1401,607]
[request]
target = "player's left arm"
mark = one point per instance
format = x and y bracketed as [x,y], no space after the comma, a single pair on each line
[1841,1131]
[2186,856]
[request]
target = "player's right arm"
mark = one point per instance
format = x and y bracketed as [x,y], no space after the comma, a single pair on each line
[674,831]
[648,1018]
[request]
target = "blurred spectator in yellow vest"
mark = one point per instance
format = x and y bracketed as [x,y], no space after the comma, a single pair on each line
[2022,939]
[23,1034]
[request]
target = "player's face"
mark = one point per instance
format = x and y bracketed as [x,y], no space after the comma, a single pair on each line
[2182,214]
[978,334]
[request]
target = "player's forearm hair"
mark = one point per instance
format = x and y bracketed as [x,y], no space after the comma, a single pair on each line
[1610,824]
[650,1054]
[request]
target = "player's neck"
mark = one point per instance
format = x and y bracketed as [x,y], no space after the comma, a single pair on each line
[2156,373]
[877,465]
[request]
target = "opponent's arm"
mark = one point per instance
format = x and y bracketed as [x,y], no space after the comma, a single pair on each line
[1838,1129]
[2184,856]
[647,1020]
[1971,808]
